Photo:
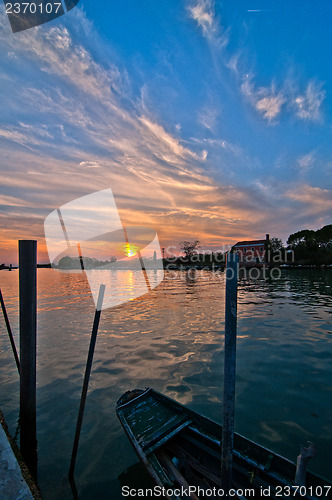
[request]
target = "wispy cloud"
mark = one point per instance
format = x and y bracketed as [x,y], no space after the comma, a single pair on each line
[269,102]
[58,54]
[266,100]
[90,164]
[308,104]
[314,201]
[233,63]
[306,162]
[222,144]
[270,107]
[203,12]
[208,117]
[13,135]
[169,146]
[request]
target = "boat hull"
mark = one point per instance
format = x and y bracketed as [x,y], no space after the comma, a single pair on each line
[179,447]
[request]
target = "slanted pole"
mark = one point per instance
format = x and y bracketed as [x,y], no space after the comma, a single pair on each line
[9,330]
[28,344]
[229,372]
[86,380]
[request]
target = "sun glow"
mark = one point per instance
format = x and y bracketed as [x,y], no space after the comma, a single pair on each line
[130,250]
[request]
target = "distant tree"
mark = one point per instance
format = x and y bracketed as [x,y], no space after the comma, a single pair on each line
[66,263]
[276,244]
[274,248]
[312,246]
[304,237]
[189,248]
[324,236]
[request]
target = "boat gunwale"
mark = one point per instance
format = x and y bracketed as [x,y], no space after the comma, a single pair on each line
[118,407]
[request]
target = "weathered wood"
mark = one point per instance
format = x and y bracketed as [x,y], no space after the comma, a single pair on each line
[164,458]
[148,463]
[302,463]
[229,371]
[28,349]
[185,456]
[160,439]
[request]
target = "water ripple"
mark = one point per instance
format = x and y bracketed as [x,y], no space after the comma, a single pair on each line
[172,339]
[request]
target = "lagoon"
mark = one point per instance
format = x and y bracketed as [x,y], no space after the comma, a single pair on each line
[172,339]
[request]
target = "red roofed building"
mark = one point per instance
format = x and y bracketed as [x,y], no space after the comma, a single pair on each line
[252,251]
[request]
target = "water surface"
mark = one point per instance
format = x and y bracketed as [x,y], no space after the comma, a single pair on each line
[172,339]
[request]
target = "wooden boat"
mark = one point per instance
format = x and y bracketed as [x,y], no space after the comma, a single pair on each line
[179,447]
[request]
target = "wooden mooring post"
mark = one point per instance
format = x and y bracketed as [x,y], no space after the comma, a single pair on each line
[229,372]
[28,347]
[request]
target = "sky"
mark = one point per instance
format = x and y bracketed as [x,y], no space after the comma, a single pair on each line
[209,120]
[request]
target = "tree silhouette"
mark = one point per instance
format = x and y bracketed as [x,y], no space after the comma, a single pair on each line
[189,248]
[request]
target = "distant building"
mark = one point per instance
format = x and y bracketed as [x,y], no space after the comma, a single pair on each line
[252,251]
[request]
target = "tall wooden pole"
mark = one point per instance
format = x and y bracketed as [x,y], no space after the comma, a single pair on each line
[28,337]
[229,372]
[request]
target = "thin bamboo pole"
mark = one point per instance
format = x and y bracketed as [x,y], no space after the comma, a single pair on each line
[9,330]
[86,379]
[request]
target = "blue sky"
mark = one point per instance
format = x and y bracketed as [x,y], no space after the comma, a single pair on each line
[209,120]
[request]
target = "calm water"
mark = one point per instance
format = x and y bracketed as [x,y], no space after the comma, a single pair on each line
[172,340]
